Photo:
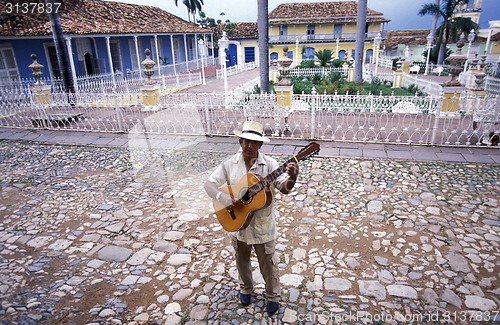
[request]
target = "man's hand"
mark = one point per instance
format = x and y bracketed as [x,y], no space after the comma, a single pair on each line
[227,200]
[292,169]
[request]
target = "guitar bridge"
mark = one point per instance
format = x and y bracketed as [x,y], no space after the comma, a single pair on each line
[231,213]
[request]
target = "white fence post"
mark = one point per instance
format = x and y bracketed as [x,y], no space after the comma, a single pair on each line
[436,119]
[313,113]
[207,117]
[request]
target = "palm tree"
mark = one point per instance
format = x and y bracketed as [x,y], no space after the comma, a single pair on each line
[451,26]
[61,49]
[262,25]
[192,7]
[324,57]
[360,41]
[435,18]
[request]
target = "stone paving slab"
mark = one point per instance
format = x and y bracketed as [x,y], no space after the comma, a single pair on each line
[279,146]
[374,153]
[348,152]
[449,156]
[399,154]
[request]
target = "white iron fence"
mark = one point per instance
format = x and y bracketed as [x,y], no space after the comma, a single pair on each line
[236,69]
[458,120]
[492,84]
[104,84]
[428,86]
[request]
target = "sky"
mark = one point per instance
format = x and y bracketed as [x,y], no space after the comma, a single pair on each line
[402,13]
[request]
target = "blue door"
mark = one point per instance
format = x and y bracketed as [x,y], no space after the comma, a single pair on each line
[342,54]
[369,55]
[231,56]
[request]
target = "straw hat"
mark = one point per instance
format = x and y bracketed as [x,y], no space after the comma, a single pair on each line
[252,131]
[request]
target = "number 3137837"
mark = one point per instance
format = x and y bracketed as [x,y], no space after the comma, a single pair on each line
[32,8]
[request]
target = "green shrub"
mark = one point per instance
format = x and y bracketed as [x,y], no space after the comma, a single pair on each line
[316,78]
[324,57]
[334,76]
[300,86]
[337,63]
[307,64]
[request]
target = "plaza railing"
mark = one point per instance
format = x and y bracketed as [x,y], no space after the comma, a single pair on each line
[458,120]
[236,69]
[492,84]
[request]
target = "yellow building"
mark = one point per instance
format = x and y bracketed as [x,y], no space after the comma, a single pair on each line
[306,28]
[495,44]
[309,27]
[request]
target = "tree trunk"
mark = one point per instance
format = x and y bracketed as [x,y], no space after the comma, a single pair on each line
[434,21]
[262,25]
[61,50]
[360,41]
[442,46]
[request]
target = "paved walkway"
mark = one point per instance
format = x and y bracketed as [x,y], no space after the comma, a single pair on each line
[487,155]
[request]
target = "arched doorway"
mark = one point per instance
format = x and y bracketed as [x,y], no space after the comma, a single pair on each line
[308,54]
[272,58]
[342,54]
[368,56]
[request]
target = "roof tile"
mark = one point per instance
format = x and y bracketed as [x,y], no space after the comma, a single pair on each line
[320,12]
[83,17]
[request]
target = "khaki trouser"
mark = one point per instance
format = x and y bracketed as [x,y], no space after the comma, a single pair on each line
[267,264]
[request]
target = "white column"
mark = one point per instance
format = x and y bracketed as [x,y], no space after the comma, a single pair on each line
[71,62]
[173,52]
[206,51]
[186,52]
[488,40]
[213,48]
[136,43]
[197,50]
[110,59]
[158,62]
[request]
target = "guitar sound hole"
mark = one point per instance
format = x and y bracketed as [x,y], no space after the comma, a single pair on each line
[245,196]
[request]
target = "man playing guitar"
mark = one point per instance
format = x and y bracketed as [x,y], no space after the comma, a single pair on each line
[259,230]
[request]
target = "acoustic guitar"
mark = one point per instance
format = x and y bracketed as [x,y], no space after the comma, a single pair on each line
[252,193]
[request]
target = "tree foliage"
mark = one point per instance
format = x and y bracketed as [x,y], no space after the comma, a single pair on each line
[324,57]
[216,25]
[451,27]
[192,7]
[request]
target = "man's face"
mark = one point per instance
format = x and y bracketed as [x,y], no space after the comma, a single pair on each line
[250,148]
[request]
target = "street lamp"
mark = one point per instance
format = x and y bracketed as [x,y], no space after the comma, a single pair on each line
[201,47]
[377,41]
[470,38]
[223,44]
[429,45]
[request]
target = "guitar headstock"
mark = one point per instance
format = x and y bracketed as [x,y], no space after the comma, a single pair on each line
[309,151]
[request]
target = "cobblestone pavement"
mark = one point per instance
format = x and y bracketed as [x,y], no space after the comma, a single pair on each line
[108,235]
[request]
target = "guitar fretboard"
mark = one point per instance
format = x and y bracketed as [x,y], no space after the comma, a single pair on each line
[266,181]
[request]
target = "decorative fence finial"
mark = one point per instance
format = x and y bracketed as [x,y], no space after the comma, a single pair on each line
[284,65]
[457,59]
[148,65]
[37,69]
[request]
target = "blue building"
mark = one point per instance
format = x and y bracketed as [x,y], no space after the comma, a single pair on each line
[102,37]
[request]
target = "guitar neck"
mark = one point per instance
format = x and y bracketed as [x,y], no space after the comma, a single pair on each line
[264,182]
